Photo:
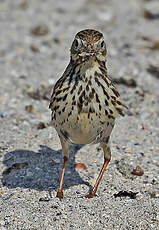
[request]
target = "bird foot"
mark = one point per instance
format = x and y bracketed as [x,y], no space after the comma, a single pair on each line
[60,194]
[90,195]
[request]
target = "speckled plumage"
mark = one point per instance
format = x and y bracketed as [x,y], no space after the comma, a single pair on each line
[84,102]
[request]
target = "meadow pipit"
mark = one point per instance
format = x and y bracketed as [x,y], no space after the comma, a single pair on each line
[84,101]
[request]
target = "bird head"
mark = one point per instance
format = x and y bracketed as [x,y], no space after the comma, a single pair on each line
[88,45]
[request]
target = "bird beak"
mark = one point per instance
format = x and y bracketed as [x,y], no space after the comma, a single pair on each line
[86,54]
[87,51]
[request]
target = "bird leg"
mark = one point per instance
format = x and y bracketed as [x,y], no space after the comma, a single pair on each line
[60,192]
[107,157]
[65,159]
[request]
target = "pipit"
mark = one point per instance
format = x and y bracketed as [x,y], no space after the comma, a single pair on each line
[84,101]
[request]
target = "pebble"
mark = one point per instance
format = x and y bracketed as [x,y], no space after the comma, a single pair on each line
[2,223]
[29,108]
[3,114]
[40,30]
[138,171]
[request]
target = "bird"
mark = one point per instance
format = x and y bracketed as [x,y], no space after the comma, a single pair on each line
[85,102]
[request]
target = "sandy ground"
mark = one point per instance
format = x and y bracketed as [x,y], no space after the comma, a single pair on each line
[35,37]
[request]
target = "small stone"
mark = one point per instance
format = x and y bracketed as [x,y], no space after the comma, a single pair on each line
[130,194]
[40,30]
[154,194]
[80,166]
[138,171]
[3,114]
[29,108]
[150,15]
[153,70]
[41,125]
[34,49]
[57,40]
[42,92]
[23,77]
[45,199]
[2,222]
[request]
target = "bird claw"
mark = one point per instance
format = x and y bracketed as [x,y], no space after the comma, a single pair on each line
[90,195]
[60,195]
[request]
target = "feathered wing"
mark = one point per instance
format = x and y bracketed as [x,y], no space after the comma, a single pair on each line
[57,88]
[120,107]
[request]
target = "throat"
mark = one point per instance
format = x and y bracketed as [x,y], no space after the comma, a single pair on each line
[89,67]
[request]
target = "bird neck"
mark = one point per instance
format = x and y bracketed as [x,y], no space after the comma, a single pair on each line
[91,64]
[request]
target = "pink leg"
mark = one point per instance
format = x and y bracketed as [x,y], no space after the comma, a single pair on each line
[94,190]
[107,157]
[60,192]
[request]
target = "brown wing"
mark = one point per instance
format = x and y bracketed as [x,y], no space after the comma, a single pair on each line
[57,89]
[116,101]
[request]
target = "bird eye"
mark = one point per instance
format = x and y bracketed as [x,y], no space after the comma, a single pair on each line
[102,44]
[76,43]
